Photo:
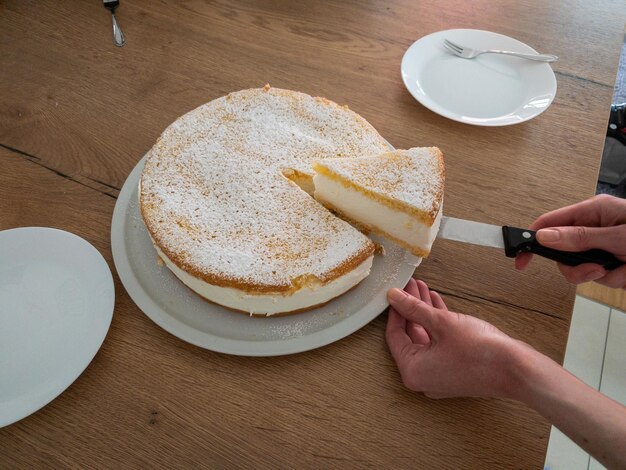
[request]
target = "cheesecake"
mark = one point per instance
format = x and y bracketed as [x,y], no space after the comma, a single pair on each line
[225,195]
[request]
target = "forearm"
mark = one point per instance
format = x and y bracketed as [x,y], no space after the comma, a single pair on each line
[592,420]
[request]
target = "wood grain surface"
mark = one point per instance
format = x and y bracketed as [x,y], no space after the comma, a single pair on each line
[77,113]
[615,298]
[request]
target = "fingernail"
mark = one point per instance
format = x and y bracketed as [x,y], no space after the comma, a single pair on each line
[397,295]
[593,275]
[548,235]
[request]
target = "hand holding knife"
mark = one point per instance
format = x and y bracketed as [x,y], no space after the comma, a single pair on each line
[515,240]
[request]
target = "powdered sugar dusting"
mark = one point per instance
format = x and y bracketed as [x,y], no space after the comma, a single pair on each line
[213,194]
[415,177]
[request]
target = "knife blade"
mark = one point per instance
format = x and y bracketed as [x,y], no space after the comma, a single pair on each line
[514,240]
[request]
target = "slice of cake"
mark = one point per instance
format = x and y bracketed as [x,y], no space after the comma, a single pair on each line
[396,194]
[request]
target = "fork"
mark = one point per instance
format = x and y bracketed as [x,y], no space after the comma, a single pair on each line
[469,53]
[118,36]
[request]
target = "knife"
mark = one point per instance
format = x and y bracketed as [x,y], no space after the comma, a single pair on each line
[519,240]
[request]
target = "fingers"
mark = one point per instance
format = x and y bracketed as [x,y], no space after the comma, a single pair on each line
[437,301]
[424,292]
[397,338]
[583,213]
[566,216]
[599,222]
[582,273]
[412,309]
[588,212]
[412,289]
[612,239]
[615,279]
[419,289]
[522,261]
[418,334]
[598,211]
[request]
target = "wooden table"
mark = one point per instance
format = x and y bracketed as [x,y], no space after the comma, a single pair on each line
[77,113]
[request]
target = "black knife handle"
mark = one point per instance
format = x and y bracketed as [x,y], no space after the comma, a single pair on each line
[519,240]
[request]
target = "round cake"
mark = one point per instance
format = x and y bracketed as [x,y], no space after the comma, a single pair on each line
[225,196]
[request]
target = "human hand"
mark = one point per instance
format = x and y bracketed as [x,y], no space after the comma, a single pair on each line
[446,354]
[599,222]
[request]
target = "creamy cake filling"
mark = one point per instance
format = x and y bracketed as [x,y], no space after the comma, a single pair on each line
[369,212]
[271,303]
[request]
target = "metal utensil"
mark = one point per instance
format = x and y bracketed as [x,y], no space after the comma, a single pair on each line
[118,37]
[469,53]
[519,240]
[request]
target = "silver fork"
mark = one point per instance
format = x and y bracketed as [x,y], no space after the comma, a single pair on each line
[118,37]
[469,53]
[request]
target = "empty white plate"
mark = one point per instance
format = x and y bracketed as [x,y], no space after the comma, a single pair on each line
[56,304]
[489,90]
